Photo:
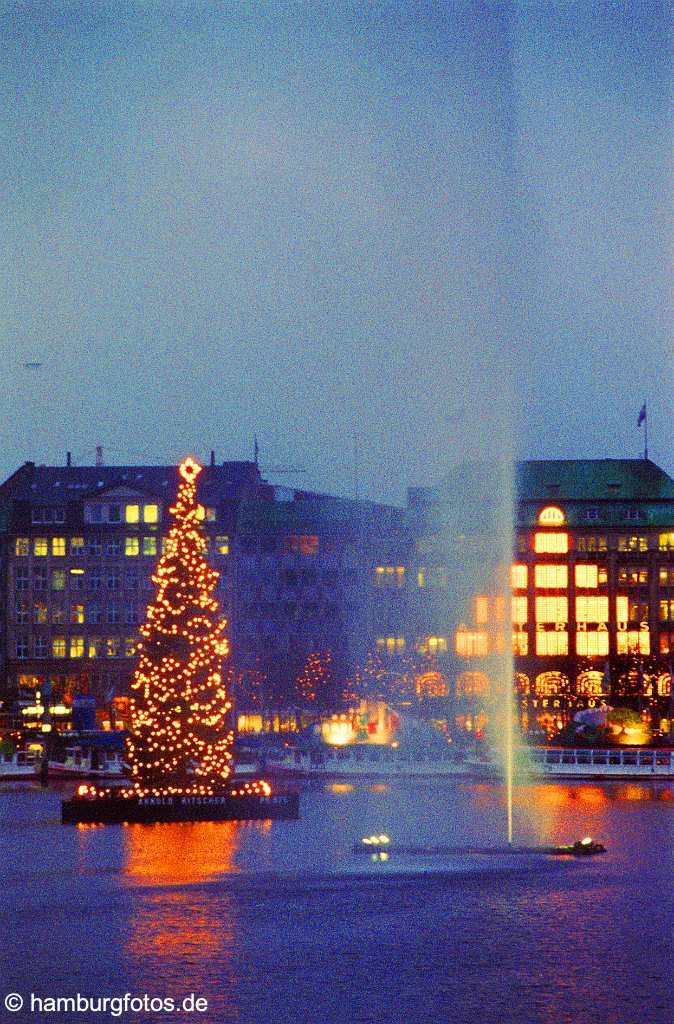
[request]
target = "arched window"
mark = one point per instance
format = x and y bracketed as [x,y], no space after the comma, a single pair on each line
[590,684]
[472,684]
[550,684]
[551,516]
[522,684]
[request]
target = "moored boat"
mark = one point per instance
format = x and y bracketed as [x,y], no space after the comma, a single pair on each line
[651,763]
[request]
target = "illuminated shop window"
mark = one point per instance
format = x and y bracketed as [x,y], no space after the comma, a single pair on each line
[131,546]
[633,543]
[591,684]
[551,516]
[518,577]
[21,546]
[77,613]
[132,514]
[552,609]
[552,577]
[149,546]
[519,610]
[77,647]
[389,576]
[520,642]
[552,642]
[592,608]
[150,514]
[551,684]
[58,546]
[481,609]
[58,647]
[593,644]
[633,641]
[551,543]
[470,643]
[40,546]
[222,544]
[592,542]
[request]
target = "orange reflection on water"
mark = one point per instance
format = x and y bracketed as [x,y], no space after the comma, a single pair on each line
[179,921]
[339,787]
[180,853]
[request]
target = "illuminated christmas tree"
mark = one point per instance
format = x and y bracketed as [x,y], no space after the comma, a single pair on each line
[180,741]
[315,681]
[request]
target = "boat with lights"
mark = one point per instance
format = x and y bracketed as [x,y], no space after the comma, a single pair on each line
[621,763]
[18,765]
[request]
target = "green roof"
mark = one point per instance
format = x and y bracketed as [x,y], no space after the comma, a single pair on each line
[592,480]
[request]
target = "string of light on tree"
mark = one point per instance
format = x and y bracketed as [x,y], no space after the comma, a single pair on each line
[180,742]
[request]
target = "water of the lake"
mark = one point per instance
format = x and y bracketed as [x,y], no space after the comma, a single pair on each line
[280,922]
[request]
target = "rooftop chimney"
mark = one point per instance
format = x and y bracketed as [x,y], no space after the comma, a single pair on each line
[212,457]
[69,460]
[99,455]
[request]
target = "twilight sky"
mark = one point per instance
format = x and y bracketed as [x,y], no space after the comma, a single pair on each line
[406,224]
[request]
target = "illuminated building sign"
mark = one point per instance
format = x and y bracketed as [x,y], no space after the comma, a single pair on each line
[551,516]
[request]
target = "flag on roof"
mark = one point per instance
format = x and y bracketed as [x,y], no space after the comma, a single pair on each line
[642,415]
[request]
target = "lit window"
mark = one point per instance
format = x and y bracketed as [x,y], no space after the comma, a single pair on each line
[552,609]
[77,613]
[149,545]
[518,577]
[389,576]
[58,545]
[112,647]
[472,683]
[633,641]
[131,546]
[58,647]
[58,579]
[551,684]
[437,644]
[130,645]
[39,612]
[593,644]
[132,513]
[222,545]
[58,615]
[593,542]
[552,642]
[666,611]
[551,516]
[470,643]
[77,579]
[481,609]
[592,609]
[201,513]
[551,577]
[21,546]
[592,683]
[302,544]
[77,647]
[519,610]
[77,546]
[520,642]
[633,543]
[40,546]
[94,647]
[634,576]
[150,513]
[421,577]
[587,576]
[210,515]
[551,543]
